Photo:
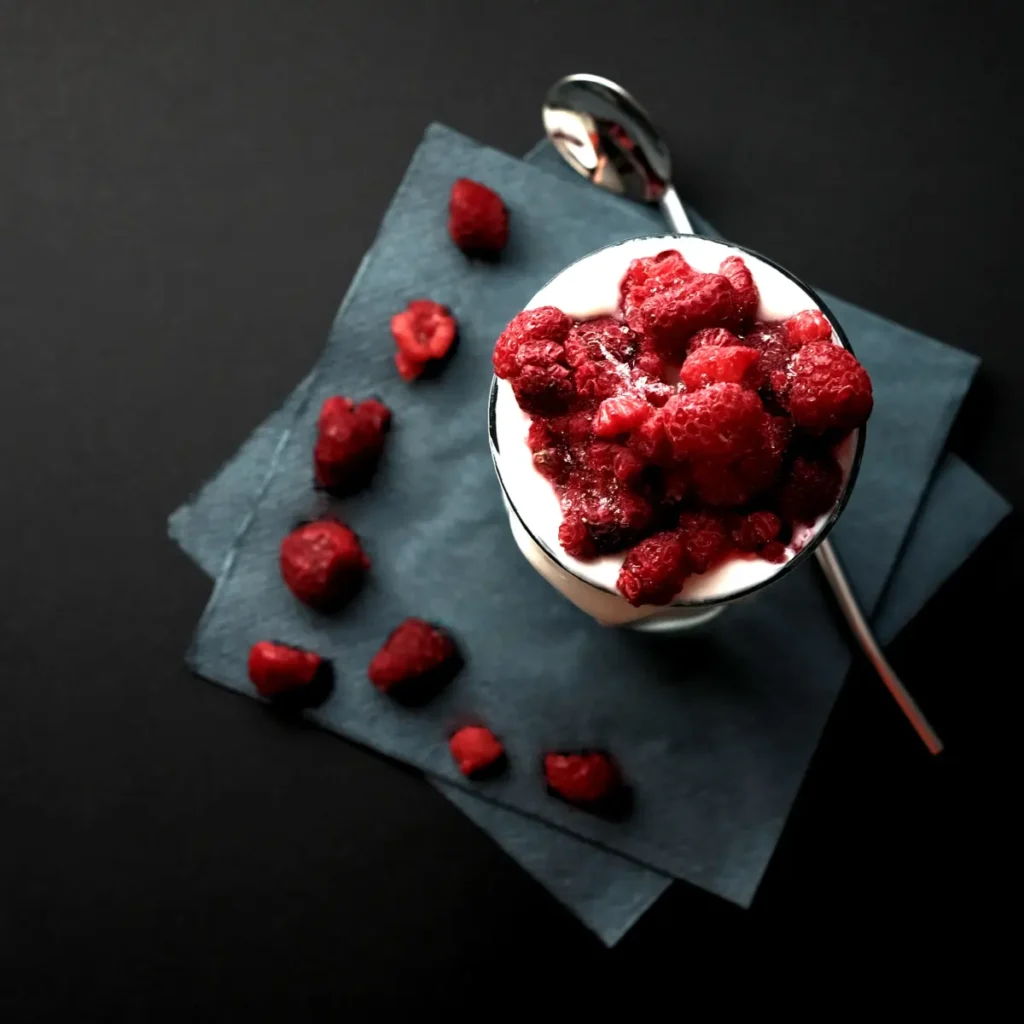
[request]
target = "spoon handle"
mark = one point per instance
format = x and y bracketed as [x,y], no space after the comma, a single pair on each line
[840,585]
[673,212]
[675,215]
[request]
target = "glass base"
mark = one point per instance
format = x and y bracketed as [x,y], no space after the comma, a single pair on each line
[677,620]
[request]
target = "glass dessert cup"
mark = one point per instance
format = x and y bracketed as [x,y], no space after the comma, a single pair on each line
[589,288]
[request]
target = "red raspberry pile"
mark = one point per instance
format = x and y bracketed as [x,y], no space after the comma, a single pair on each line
[683,431]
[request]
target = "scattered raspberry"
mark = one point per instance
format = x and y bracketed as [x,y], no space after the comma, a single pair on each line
[423,331]
[322,563]
[654,570]
[773,551]
[652,275]
[408,369]
[601,338]
[543,324]
[713,337]
[476,750]
[414,655]
[669,318]
[620,415]
[776,350]
[830,390]
[736,272]
[753,531]
[719,420]
[704,538]
[583,778]
[726,365]
[810,325]
[350,439]
[810,488]
[275,669]
[477,218]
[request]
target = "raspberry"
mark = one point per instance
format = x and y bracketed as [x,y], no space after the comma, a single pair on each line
[810,488]
[650,364]
[415,658]
[539,353]
[322,563]
[651,275]
[712,364]
[477,218]
[755,530]
[712,337]
[654,570]
[574,536]
[736,272]
[554,463]
[773,551]
[597,380]
[408,369]
[476,750]
[704,539]
[349,442]
[601,338]
[776,350]
[613,516]
[620,415]
[719,420]
[726,483]
[627,466]
[669,318]
[676,483]
[574,428]
[543,390]
[829,389]
[588,777]
[423,331]
[810,325]
[276,669]
[544,324]
[650,442]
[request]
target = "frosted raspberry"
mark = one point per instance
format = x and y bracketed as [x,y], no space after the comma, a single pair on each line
[574,536]
[322,563]
[810,488]
[423,331]
[614,516]
[704,538]
[773,551]
[669,318]
[601,338]
[652,275]
[543,324]
[736,272]
[349,443]
[597,380]
[713,337]
[810,325]
[627,466]
[539,353]
[775,350]
[829,389]
[650,442]
[620,415]
[654,570]
[543,390]
[726,483]
[726,365]
[719,420]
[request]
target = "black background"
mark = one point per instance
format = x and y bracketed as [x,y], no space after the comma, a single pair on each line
[185,191]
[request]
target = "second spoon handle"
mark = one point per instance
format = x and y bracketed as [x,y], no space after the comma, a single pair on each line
[673,212]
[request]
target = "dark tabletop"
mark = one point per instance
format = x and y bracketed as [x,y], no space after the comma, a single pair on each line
[185,191]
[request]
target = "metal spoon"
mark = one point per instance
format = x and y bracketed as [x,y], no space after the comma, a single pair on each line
[605,135]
